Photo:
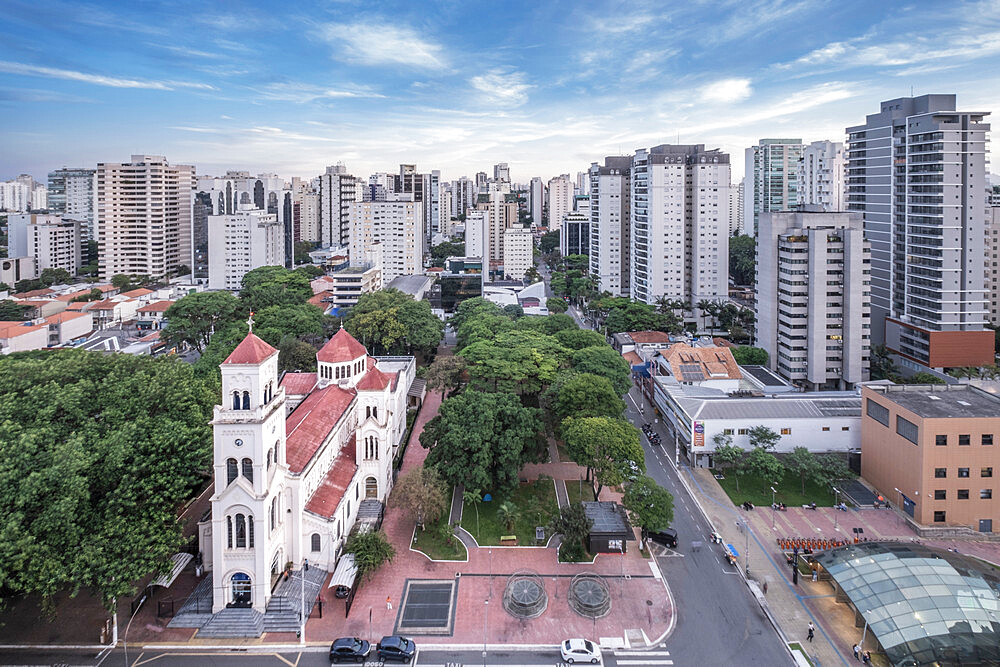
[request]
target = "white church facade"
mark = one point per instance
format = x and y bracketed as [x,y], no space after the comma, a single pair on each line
[295,459]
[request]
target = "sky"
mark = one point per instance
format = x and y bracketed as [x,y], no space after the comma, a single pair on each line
[548,87]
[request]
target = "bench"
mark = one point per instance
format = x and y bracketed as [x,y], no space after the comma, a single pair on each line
[508,540]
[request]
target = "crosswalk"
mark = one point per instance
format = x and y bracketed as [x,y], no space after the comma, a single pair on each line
[619,657]
[643,658]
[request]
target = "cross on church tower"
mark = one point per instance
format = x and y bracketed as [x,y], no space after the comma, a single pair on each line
[250,321]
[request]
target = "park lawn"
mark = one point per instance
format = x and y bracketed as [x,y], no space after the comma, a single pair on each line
[758,491]
[433,543]
[575,496]
[536,504]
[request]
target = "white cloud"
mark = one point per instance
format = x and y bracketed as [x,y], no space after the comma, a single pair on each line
[727,90]
[504,89]
[961,44]
[382,44]
[304,92]
[96,79]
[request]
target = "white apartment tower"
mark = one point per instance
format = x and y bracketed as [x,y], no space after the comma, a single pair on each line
[71,195]
[736,208]
[821,175]
[560,200]
[518,248]
[144,216]
[610,224]
[679,217]
[463,196]
[501,173]
[477,235]
[771,179]
[240,242]
[917,173]
[813,294]
[992,270]
[500,215]
[398,226]
[52,242]
[338,191]
[536,200]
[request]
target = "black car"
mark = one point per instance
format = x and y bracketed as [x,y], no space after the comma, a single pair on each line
[667,537]
[350,649]
[395,647]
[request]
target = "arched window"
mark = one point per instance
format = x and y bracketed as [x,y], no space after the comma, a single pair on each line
[375,412]
[337,373]
[274,510]
[236,400]
[229,532]
[269,459]
[246,400]
[241,531]
[275,453]
[232,471]
[368,411]
[315,541]
[250,527]
[371,488]
[248,470]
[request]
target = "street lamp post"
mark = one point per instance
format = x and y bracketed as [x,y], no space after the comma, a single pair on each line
[900,506]
[836,517]
[746,546]
[486,616]
[774,511]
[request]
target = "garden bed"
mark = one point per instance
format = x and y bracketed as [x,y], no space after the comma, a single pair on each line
[536,505]
[789,491]
[573,490]
[433,542]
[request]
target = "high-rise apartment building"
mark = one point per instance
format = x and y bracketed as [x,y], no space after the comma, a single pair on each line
[992,270]
[51,241]
[771,179]
[501,213]
[916,172]
[264,192]
[560,200]
[477,234]
[463,196]
[679,236]
[574,239]
[241,242]
[501,172]
[445,207]
[518,248]
[582,183]
[736,208]
[813,296]
[397,226]
[610,224]
[338,192]
[821,175]
[15,196]
[536,200]
[71,195]
[200,210]
[143,216]
[433,208]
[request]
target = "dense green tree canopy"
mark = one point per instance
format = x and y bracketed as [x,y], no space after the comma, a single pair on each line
[556,305]
[274,286]
[603,360]
[97,452]
[482,440]
[763,437]
[650,505]
[446,374]
[638,316]
[443,251]
[520,361]
[549,242]
[577,339]
[194,318]
[742,260]
[586,395]
[606,446]
[11,310]
[391,322]
[746,355]
[300,320]
[296,355]
[471,309]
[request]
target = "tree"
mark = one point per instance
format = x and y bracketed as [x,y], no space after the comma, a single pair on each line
[556,305]
[638,316]
[761,437]
[471,309]
[549,242]
[604,361]
[182,270]
[607,447]
[371,551]
[446,374]
[481,440]
[473,498]
[532,275]
[392,322]
[831,469]
[803,463]
[91,481]
[578,339]
[574,525]
[650,505]
[194,318]
[761,463]
[421,494]
[443,251]
[508,514]
[94,294]
[121,281]
[296,355]
[11,311]
[55,277]
[750,356]
[310,271]
[880,364]
[517,361]
[923,377]
[299,320]
[513,311]
[302,250]
[274,286]
[728,456]
[742,259]
[586,395]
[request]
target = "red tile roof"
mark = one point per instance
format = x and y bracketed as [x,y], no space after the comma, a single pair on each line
[298,384]
[251,350]
[106,304]
[142,291]
[327,496]
[317,299]
[649,336]
[32,293]
[156,307]
[148,337]
[723,342]
[17,328]
[59,318]
[341,347]
[311,422]
[632,358]
[374,380]
[712,363]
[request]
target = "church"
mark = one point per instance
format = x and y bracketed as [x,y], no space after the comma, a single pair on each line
[299,460]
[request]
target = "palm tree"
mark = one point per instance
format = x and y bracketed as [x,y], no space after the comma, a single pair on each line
[508,514]
[703,306]
[473,498]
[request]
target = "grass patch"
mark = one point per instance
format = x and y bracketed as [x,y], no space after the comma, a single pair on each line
[758,491]
[433,541]
[795,646]
[563,452]
[573,487]
[536,504]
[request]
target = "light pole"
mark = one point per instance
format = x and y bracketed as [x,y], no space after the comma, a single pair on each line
[127,626]
[774,510]
[865,633]
[486,616]
[836,517]
[900,507]
[302,614]
[746,546]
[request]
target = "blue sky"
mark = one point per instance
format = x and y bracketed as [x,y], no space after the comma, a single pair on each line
[547,87]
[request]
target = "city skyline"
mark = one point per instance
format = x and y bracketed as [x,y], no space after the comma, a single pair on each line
[547,89]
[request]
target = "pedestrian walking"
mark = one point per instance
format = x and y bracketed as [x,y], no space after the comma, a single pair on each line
[815,573]
[868,657]
[857,652]
[812,632]
[765,588]
[388,604]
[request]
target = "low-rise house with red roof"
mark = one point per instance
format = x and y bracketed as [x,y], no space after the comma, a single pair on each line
[68,326]
[152,316]
[22,336]
[298,459]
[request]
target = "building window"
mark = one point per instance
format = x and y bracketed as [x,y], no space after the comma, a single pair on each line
[232,471]
[940,473]
[371,488]
[985,494]
[315,539]
[907,429]
[877,411]
[269,459]
[845,428]
[241,531]
[939,517]
[248,470]
[250,529]
[940,440]
[246,400]
[940,494]
[236,400]
[963,472]
[274,511]
[987,438]
[963,494]
[741,431]
[786,431]
[964,440]
[826,428]
[229,532]
[986,472]
[727,431]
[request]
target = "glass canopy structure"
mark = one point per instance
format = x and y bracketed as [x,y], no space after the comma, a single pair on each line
[925,606]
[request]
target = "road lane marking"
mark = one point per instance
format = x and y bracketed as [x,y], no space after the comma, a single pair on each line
[642,653]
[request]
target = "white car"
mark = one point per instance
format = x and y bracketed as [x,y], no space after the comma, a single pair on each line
[580,650]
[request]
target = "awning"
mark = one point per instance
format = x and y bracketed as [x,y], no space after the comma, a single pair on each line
[345,573]
[731,549]
[180,562]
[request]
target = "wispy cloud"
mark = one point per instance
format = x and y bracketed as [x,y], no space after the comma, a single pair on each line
[303,93]
[96,79]
[500,88]
[382,44]
[875,51]
[727,90]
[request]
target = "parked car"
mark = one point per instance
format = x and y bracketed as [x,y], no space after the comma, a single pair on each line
[349,649]
[394,647]
[667,537]
[580,650]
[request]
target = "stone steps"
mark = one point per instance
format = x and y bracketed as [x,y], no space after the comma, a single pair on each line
[234,622]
